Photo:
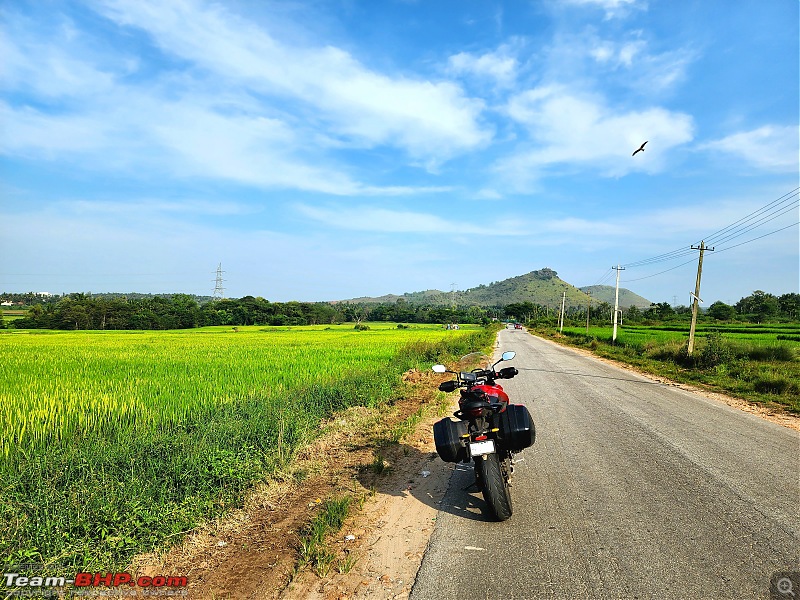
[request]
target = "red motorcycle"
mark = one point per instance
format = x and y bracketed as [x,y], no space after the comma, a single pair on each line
[489,430]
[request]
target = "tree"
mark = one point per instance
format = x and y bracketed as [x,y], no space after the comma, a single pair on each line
[789,305]
[523,311]
[633,314]
[660,310]
[721,311]
[760,304]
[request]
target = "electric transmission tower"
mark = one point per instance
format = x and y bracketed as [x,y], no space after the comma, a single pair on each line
[219,291]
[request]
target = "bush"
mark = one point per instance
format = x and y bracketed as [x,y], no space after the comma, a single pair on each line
[776,385]
[716,351]
[361,327]
[776,352]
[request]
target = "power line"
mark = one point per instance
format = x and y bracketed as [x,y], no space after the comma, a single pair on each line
[733,234]
[662,272]
[759,237]
[765,214]
[675,254]
[769,212]
[786,197]
[719,250]
[605,276]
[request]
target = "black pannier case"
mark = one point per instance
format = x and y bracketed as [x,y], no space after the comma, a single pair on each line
[517,430]
[447,437]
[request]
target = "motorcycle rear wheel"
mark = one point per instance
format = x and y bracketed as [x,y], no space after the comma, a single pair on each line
[496,491]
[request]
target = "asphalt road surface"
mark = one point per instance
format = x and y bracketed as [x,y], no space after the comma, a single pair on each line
[633,489]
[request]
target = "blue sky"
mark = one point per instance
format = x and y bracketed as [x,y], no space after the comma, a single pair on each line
[323,150]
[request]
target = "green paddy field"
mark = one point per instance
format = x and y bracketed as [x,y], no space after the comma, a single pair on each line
[113,442]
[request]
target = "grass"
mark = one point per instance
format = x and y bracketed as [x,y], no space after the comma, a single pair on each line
[759,363]
[314,549]
[113,442]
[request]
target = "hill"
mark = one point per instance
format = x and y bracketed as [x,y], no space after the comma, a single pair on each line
[605,293]
[542,287]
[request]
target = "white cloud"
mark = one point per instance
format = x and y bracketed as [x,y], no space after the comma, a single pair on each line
[51,64]
[614,54]
[612,8]
[630,62]
[771,147]
[432,121]
[569,130]
[153,206]
[382,220]
[500,66]
[245,108]
[29,132]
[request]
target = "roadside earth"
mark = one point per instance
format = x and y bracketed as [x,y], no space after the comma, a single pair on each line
[253,553]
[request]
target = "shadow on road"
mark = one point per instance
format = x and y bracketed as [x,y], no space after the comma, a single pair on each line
[579,374]
[426,478]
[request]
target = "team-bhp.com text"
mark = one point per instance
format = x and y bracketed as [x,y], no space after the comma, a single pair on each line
[161,583]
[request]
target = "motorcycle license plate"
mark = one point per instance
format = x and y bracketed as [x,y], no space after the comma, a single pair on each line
[480,448]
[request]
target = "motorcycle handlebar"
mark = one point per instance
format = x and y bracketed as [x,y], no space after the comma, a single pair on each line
[448,386]
[506,373]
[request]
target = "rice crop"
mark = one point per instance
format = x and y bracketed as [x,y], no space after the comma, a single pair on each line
[113,441]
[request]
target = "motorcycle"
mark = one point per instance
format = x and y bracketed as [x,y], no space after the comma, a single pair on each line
[489,430]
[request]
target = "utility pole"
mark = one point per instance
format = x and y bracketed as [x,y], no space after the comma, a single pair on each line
[563,302]
[588,309]
[616,304]
[696,296]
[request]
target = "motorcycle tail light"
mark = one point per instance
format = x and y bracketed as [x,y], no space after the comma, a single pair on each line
[480,438]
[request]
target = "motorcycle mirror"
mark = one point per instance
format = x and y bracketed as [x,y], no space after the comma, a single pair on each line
[509,355]
[439,369]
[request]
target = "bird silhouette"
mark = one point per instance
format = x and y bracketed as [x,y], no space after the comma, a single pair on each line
[641,149]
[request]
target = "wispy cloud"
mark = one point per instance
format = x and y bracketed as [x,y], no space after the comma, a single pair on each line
[499,66]
[567,129]
[612,8]
[284,117]
[384,220]
[770,148]
[431,120]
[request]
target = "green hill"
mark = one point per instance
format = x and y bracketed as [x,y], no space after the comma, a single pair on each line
[542,287]
[605,293]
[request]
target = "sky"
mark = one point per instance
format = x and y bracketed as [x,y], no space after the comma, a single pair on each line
[323,150]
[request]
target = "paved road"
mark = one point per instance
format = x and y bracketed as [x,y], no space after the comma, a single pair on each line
[634,489]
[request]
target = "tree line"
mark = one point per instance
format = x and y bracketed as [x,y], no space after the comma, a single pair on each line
[182,311]
[758,307]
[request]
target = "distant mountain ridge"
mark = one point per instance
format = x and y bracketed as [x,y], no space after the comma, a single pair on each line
[542,287]
[605,293]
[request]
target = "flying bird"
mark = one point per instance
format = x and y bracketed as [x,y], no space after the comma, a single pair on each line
[641,149]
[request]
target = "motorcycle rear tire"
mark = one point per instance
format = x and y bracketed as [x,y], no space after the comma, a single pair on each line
[496,491]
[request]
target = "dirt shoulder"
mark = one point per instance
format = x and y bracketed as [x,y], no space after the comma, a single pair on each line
[253,552]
